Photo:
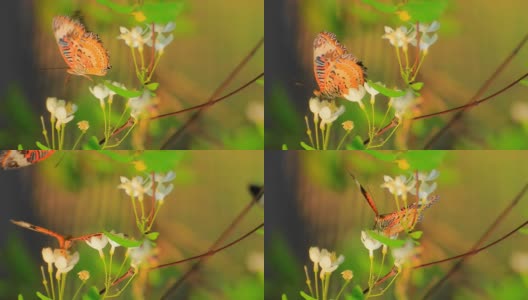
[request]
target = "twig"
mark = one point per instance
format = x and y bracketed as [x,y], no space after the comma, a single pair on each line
[480,91]
[218,90]
[501,217]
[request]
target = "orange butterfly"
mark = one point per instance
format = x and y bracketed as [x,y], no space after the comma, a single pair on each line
[12,159]
[65,243]
[335,70]
[82,51]
[403,220]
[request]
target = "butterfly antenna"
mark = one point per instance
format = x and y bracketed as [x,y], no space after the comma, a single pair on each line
[366,195]
[60,159]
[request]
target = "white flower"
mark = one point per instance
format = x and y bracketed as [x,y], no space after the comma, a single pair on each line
[139,254]
[400,37]
[51,105]
[49,258]
[98,242]
[355,95]
[139,104]
[422,176]
[399,185]
[403,104]
[255,262]
[164,178]
[372,91]
[369,243]
[315,105]
[113,244]
[329,263]
[64,113]
[134,38]
[426,41]
[424,28]
[161,192]
[426,188]
[315,254]
[100,92]
[519,262]
[135,187]
[519,112]
[255,112]
[403,254]
[64,262]
[329,112]
[160,28]
[161,42]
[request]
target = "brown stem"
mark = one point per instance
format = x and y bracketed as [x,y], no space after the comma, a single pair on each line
[485,236]
[480,91]
[176,135]
[393,123]
[152,53]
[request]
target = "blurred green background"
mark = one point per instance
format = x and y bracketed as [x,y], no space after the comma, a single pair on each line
[475,37]
[315,202]
[210,39]
[76,193]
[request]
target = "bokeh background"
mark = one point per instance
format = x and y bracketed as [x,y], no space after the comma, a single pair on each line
[312,201]
[470,47]
[76,193]
[210,39]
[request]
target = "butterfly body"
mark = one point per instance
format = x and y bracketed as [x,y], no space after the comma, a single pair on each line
[82,51]
[335,69]
[13,159]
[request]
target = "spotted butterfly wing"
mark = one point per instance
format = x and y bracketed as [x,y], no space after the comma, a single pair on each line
[335,70]
[82,51]
[13,159]
[404,219]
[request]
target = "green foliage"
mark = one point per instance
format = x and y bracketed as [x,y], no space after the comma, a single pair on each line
[386,91]
[161,161]
[381,6]
[92,144]
[125,93]
[416,234]
[92,294]
[357,144]
[306,146]
[306,296]
[425,11]
[424,160]
[152,236]
[386,240]
[356,294]
[122,241]
[42,296]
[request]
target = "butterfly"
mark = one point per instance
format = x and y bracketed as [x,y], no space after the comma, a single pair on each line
[403,220]
[65,243]
[12,159]
[336,71]
[82,51]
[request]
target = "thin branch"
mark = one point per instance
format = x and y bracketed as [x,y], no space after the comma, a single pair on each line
[477,95]
[219,240]
[501,217]
[218,90]
[469,253]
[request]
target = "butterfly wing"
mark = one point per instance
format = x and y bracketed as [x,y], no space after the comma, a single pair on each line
[12,159]
[93,57]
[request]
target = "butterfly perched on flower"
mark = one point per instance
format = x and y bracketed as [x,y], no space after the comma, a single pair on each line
[12,159]
[82,50]
[336,71]
[396,222]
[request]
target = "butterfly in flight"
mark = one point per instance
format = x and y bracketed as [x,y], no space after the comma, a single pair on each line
[403,220]
[65,243]
[82,50]
[335,69]
[13,159]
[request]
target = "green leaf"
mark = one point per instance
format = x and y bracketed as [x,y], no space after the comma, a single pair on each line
[123,92]
[423,160]
[152,86]
[383,155]
[357,144]
[306,296]
[118,156]
[41,146]
[284,297]
[92,294]
[385,240]
[383,7]
[123,9]
[260,81]
[43,297]
[152,236]
[357,294]
[20,297]
[122,241]
[524,230]
[93,144]
[162,12]
[417,86]
[386,91]
[160,161]
[425,10]
[306,146]
[416,234]
[284,147]
[20,147]
[524,82]
[260,231]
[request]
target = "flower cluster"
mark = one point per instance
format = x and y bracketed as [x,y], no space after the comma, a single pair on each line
[402,36]
[401,185]
[63,260]
[137,37]
[61,111]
